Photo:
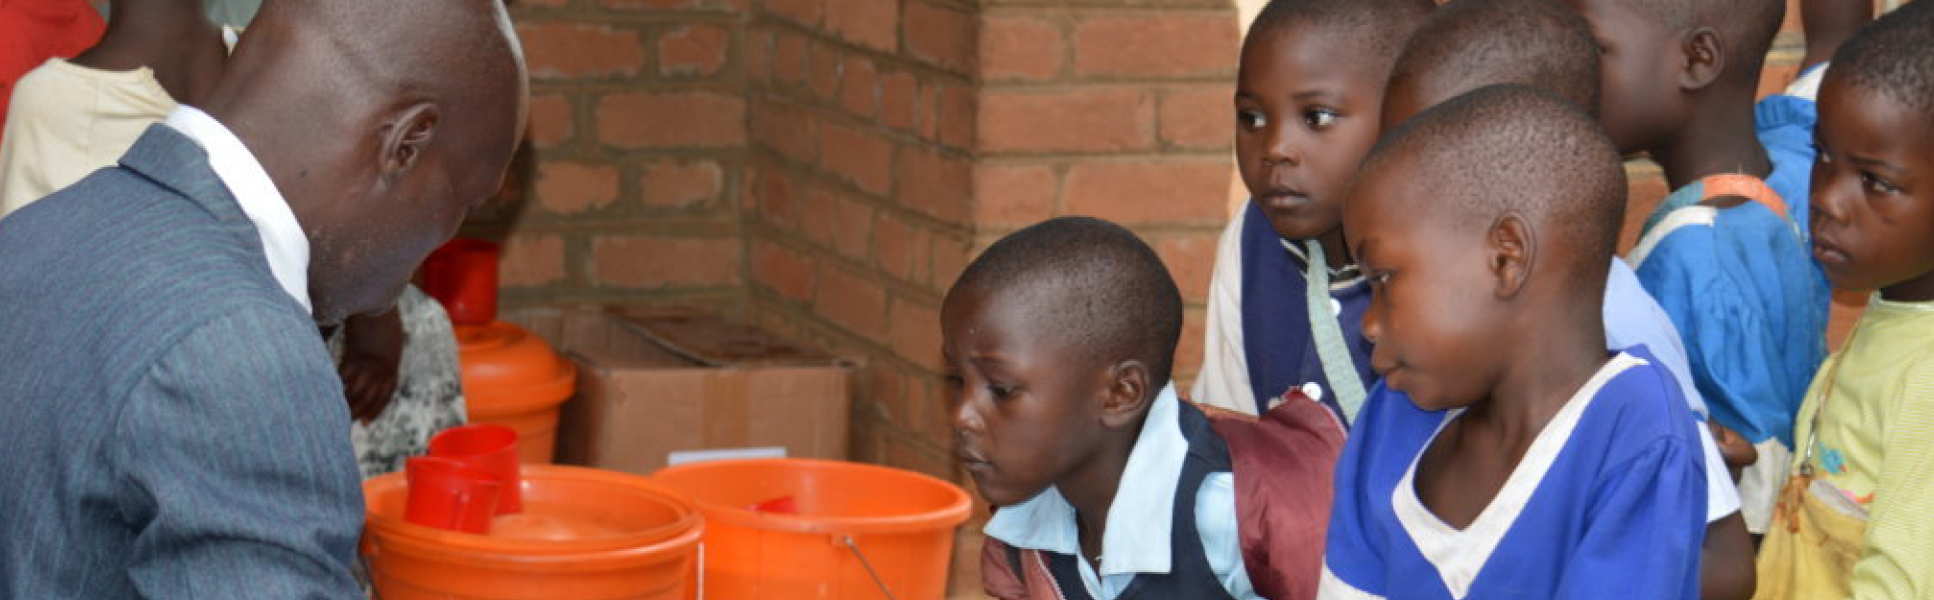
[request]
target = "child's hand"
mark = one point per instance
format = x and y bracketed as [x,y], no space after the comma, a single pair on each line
[372,351]
[1737,452]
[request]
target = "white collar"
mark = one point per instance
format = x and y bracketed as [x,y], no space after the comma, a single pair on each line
[1459,555]
[283,240]
[1141,517]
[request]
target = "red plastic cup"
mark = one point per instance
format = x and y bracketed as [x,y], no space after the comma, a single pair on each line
[491,449]
[462,274]
[446,494]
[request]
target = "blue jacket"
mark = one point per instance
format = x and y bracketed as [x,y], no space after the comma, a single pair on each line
[173,426]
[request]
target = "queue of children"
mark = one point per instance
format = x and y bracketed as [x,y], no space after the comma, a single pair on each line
[1454,385]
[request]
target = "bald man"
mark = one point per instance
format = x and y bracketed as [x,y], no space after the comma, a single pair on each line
[171,426]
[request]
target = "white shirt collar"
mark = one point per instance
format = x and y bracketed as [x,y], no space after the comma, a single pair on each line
[283,240]
[1141,517]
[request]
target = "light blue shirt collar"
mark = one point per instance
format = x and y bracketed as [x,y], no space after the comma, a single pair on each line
[1142,516]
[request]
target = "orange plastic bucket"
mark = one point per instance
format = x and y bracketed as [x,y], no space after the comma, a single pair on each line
[512,378]
[850,519]
[585,534]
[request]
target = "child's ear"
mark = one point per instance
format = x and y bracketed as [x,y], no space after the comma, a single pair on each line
[1126,396]
[1704,58]
[1510,251]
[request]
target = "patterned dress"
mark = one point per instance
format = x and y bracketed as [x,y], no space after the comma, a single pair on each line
[429,393]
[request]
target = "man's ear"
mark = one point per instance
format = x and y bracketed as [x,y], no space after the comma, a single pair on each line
[407,135]
[1510,250]
[1126,396]
[1703,58]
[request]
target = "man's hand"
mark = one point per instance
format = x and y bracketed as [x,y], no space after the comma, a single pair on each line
[372,351]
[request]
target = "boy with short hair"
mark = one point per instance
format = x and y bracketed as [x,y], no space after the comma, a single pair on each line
[1285,299]
[1058,342]
[1506,453]
[1470,44]
[1725,253]
[1853,518]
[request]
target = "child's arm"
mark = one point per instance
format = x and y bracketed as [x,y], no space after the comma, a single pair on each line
[1898,562]
[1647,524]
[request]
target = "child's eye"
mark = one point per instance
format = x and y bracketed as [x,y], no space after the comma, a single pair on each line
[955,382]
[1875,184]
[1319,118]
[1000,392]
[1250,120]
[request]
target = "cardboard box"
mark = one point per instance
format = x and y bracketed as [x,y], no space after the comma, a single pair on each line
[654,383]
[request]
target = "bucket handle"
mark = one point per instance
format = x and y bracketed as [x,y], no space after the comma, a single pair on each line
[847,541]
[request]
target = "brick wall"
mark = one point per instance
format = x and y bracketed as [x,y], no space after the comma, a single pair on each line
[891,139]
[637,144]
[857,209]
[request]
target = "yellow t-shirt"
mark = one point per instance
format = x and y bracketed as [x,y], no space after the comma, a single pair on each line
[1876,444]
[67,121]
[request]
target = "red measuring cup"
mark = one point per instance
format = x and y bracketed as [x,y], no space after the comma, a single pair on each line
[446,494]
[491,449]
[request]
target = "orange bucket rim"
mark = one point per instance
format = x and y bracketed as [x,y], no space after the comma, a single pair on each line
[952,515]
[578,561]
[391,527]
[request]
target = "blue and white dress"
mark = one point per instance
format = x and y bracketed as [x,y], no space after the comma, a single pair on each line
[1608,502]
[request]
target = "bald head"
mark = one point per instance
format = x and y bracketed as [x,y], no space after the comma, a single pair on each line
[1509,150]
[381,123]
[1089,284]
[1470,44]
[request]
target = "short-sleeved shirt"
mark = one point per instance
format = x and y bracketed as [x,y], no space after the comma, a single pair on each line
[1609,501]
[1743,289]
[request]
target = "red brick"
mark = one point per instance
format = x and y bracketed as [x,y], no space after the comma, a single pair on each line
[927,111]
[711,5]
[897,93]
[835,221]
[950,258]
[1080,120]
[956,116]
[1156,44]
[871,23]
[681,185]
[936,184]
[758,56]
[1019,47]
[568,188]
[940,35]
[859,88]
[789,57]
[915,336]
[1188,350]
[667,119]
[532,260]
[579,50]
[550,120]
[862,158]
[777,203]
[822,71]
[1149,191]
[789,273]
[900,248]
[542,2]
[1013,195]
[787,129]
[803,12]
[693,50]
[1199,117]
[855,304]
[645,262]
[1190,258]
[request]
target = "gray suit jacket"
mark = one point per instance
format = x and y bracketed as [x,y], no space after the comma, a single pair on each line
[171,425]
